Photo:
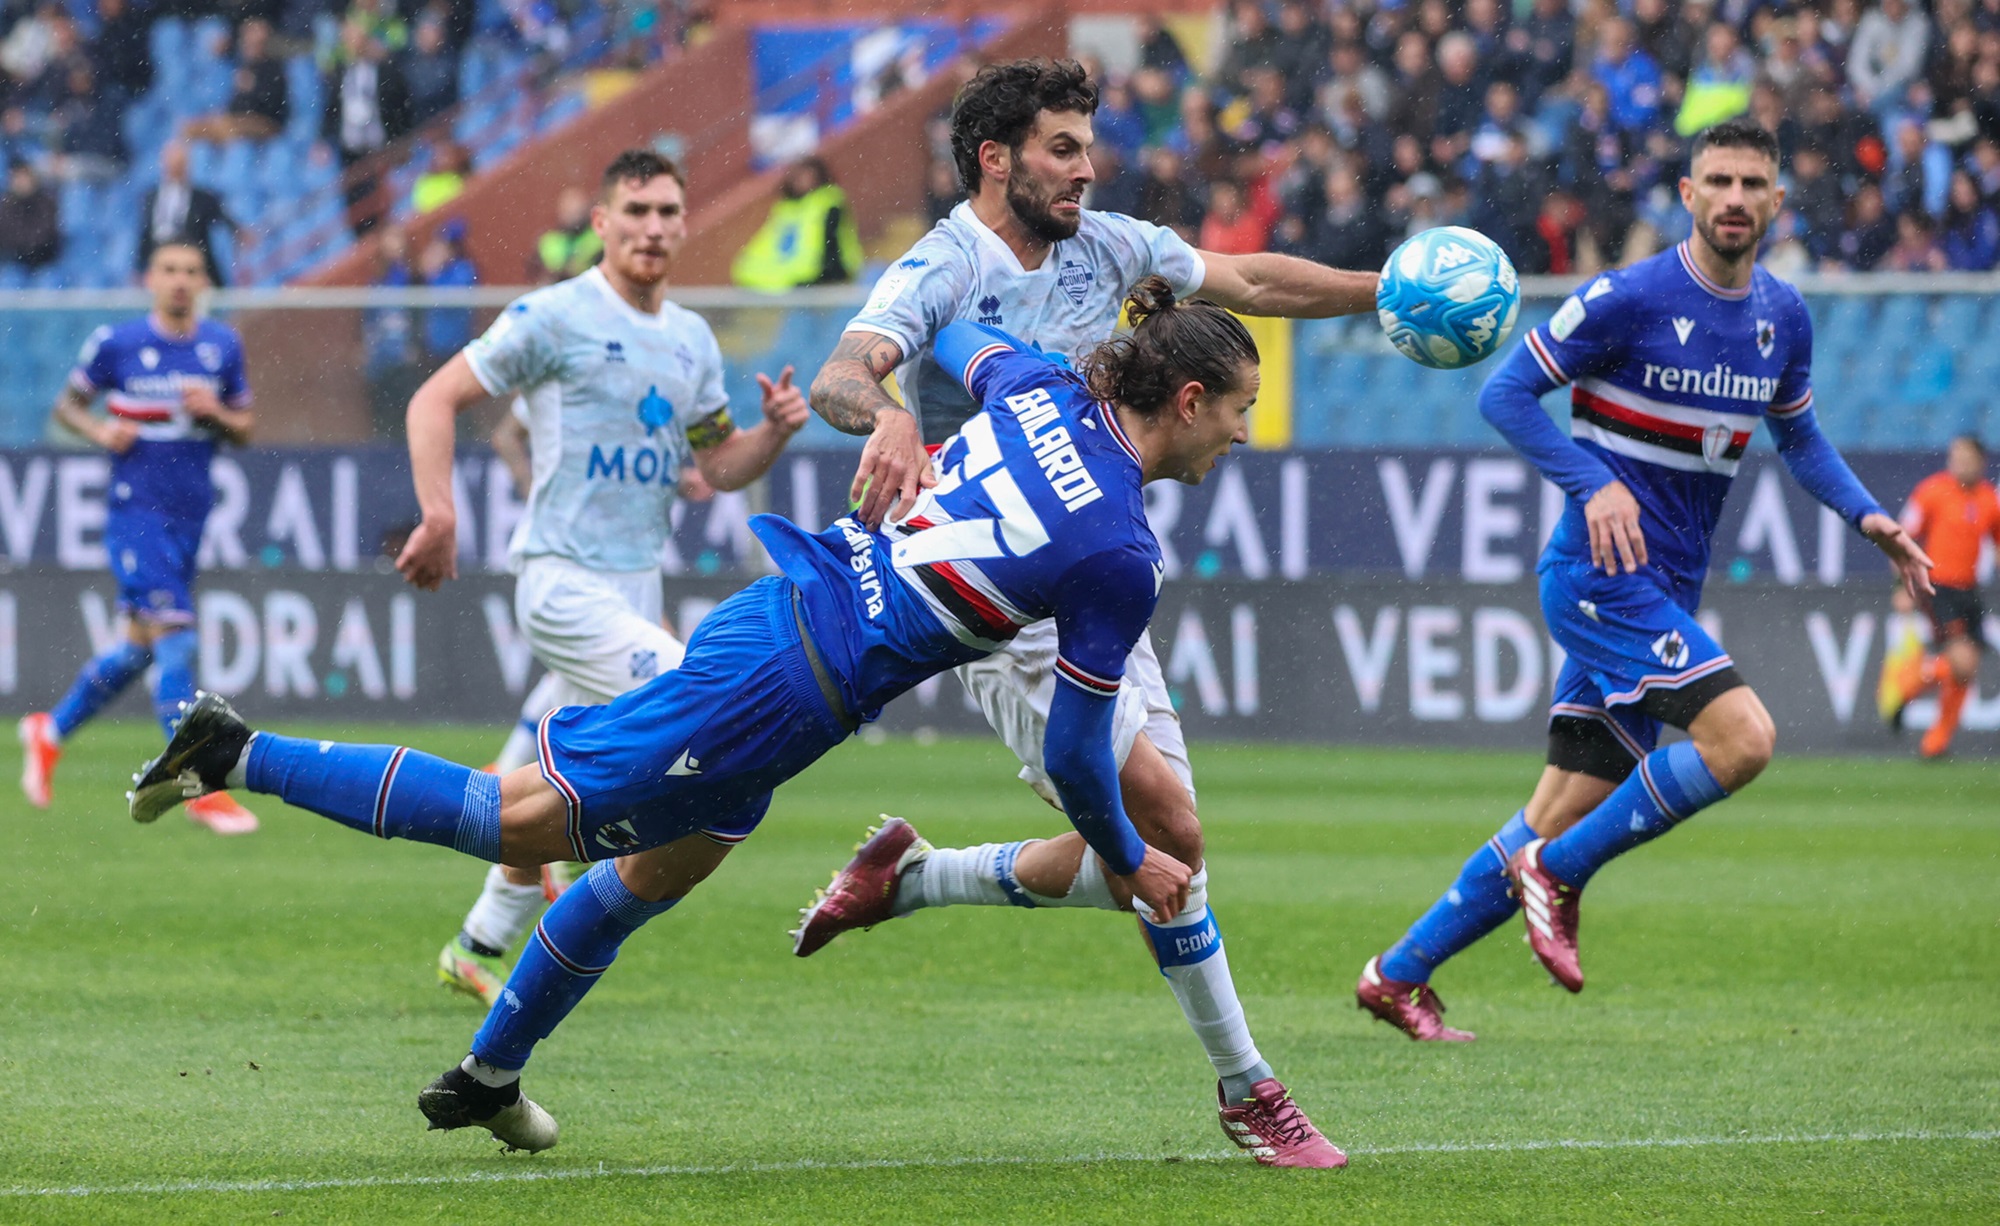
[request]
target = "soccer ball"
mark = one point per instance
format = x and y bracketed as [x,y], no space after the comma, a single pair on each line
[1448,297]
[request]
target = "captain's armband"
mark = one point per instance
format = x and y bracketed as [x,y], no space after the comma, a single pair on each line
[711,430]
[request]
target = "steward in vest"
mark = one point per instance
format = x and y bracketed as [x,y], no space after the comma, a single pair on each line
[808,239]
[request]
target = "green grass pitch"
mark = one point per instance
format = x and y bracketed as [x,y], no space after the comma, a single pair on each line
[1793,1013]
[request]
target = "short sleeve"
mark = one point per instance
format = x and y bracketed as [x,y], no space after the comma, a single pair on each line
[1795,394]
[1103,604]
[94,370]
[709,392]
[1152,249]
[517,352]
[917,296]
[1584,333]
[235,376]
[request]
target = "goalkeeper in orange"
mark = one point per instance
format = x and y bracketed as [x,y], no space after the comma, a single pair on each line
[1950,513]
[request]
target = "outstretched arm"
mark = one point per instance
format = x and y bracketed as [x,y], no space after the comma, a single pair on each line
[1825,475]
[431,554]
[1268,284]
[730,459]
[848,393]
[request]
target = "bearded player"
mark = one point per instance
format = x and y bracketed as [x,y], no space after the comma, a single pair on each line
[1672,363]
[174,385]
[622,389]
[1023,254]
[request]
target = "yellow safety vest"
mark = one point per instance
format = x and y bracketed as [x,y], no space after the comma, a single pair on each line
[790,248]
[566,254]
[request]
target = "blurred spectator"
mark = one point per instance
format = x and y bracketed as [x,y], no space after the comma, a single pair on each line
[1970,232]
[1118,122]
[367,107]
[1543,45]
[1234,226]
[1253,43]
[1870,232]
[808,238]
[178,211]
[443,264]
[1719,86]
[393,363]
[1304,42]
[260,101]
[430,70]
[1918,172]
[1460,98]
[1116,188]
[1160,51]
[941,194]
[1268,120]
[122,51]
[1166,197]
[1157,97]
[1501,121]
[443,181]
[1888,51]
[29,47]
[1787,254]
[1596,168]
[1628,75]
[87,129]
[1815,196]
[571,247]
[29,235]
[1916,248]
[1349,232]
[1348,72]
[1509,192]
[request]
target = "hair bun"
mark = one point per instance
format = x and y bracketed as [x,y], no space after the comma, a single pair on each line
[1151,296]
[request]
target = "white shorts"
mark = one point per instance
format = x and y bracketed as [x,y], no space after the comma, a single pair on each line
[1015,685]
[598,632]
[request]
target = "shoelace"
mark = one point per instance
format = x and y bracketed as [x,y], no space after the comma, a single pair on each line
[1286,1120]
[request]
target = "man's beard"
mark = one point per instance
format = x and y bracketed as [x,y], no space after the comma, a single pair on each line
[1728,251]
[1035,215]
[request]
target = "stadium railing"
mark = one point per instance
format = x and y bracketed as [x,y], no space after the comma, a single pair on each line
[1902,362]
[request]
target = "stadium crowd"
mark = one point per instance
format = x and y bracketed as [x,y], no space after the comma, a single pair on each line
[1331,129]
[75,76]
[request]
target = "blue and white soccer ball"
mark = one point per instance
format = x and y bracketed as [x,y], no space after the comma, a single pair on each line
[1448,297]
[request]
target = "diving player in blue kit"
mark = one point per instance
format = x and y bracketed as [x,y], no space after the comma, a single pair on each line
[1672,362]
[173,384]
[1038,514]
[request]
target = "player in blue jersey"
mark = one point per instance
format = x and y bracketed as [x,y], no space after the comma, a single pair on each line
[173,385]
[1024,254]
[1672,363]
[1038,515]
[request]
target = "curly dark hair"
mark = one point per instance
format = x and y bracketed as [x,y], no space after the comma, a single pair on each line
[1001,101]
[640,166]
[1734,134]
[1171,345]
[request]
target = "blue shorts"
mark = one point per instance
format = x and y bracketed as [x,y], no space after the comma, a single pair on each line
[1637,660]
[700,749]
[153,559]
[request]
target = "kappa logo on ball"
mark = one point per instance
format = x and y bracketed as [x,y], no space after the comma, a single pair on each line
[1450,256]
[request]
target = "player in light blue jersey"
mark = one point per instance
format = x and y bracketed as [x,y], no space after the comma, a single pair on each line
[622,389]
[1022,253]
[1671,363]
[173,385]
[1038,515]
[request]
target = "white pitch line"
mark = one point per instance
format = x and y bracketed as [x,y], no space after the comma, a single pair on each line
[889,1164]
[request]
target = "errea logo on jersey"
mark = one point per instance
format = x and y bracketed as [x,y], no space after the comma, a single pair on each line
[1054,450]
[989,310]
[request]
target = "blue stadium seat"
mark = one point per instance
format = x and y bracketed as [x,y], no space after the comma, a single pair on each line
[1960,319]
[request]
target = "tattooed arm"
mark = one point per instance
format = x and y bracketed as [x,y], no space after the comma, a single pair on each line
[848,394]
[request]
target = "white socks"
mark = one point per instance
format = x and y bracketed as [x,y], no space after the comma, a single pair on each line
[238,777]
[503,912]
[1190,953]
[961,876]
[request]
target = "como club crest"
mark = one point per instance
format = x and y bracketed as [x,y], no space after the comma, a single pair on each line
[1767,338]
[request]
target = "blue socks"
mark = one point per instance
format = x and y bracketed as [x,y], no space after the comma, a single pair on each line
[384,790]
[574,944]
[1670,786]
[175,654]
[1476,904]
[101,680]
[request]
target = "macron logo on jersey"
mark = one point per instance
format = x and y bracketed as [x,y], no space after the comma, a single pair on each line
[1062,467]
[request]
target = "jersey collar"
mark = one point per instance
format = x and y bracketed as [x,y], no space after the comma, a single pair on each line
[1117,431]
[998,245]
[595,275]
[1702,279]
